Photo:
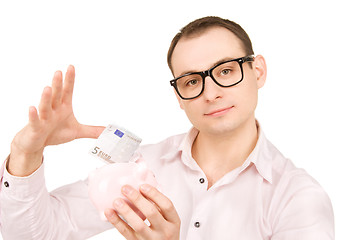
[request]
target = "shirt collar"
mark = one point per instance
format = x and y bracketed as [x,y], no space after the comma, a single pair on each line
[261,155]
[187,142]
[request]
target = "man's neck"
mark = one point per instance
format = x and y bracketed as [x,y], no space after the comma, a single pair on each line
[220,154]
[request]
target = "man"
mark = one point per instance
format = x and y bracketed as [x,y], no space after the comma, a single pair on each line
[221,180]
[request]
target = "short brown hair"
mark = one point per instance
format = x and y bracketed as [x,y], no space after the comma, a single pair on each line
[200,25]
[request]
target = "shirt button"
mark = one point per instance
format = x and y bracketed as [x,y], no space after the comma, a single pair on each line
[201,180]
[197,224]
[6,184]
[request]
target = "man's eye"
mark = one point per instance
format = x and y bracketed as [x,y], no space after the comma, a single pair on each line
[225,71]
[192,82]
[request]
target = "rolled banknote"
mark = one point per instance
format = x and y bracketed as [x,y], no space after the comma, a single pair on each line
[115,144]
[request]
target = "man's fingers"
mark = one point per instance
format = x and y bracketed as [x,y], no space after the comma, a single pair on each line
[132,218]
[56,89]
[166,206]
[68,85]
[119,224]
[146,207]
[45,104]
[33,117]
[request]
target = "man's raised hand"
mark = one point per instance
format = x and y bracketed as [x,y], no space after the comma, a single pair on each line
[53,123]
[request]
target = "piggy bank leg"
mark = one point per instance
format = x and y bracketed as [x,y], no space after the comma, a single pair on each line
[103,217]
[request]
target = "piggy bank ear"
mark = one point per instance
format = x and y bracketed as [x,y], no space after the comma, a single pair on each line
[137,158]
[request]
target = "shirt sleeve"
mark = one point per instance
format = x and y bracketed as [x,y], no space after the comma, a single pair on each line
[304,211]
[29,211]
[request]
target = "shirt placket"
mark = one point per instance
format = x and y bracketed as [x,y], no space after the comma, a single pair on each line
[201,198]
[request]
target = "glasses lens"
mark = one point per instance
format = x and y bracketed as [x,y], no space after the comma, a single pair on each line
[227,73]
[190,86]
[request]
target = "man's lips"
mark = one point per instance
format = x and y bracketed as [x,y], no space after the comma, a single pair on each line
[219,112]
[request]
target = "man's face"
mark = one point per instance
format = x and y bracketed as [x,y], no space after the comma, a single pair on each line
[218,110]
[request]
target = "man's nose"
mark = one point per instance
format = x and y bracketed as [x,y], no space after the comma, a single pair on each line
[212,91]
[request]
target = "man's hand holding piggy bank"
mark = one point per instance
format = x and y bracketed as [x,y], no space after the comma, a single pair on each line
[125,194]
[105,184]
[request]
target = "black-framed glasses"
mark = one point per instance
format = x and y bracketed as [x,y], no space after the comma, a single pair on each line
[225,74]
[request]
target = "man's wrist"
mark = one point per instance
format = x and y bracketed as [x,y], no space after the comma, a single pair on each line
[23,164]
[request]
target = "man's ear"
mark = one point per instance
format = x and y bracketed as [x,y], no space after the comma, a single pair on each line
[179,100]
[259,65]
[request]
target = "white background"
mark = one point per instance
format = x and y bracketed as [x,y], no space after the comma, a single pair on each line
[309,107]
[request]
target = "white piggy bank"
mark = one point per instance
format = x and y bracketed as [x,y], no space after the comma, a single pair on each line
[105,184]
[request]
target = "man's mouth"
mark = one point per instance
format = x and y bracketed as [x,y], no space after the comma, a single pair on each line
[218,112]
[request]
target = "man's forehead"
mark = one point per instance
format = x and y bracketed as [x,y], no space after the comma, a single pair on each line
[203,51]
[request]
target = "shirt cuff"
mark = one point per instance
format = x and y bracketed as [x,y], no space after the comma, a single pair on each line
[23,188]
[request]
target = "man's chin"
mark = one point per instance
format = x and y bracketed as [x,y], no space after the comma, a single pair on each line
[219,129]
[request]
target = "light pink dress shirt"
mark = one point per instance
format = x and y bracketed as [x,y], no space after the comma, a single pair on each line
[266,198]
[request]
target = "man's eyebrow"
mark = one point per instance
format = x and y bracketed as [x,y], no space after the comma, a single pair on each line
[216,63]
